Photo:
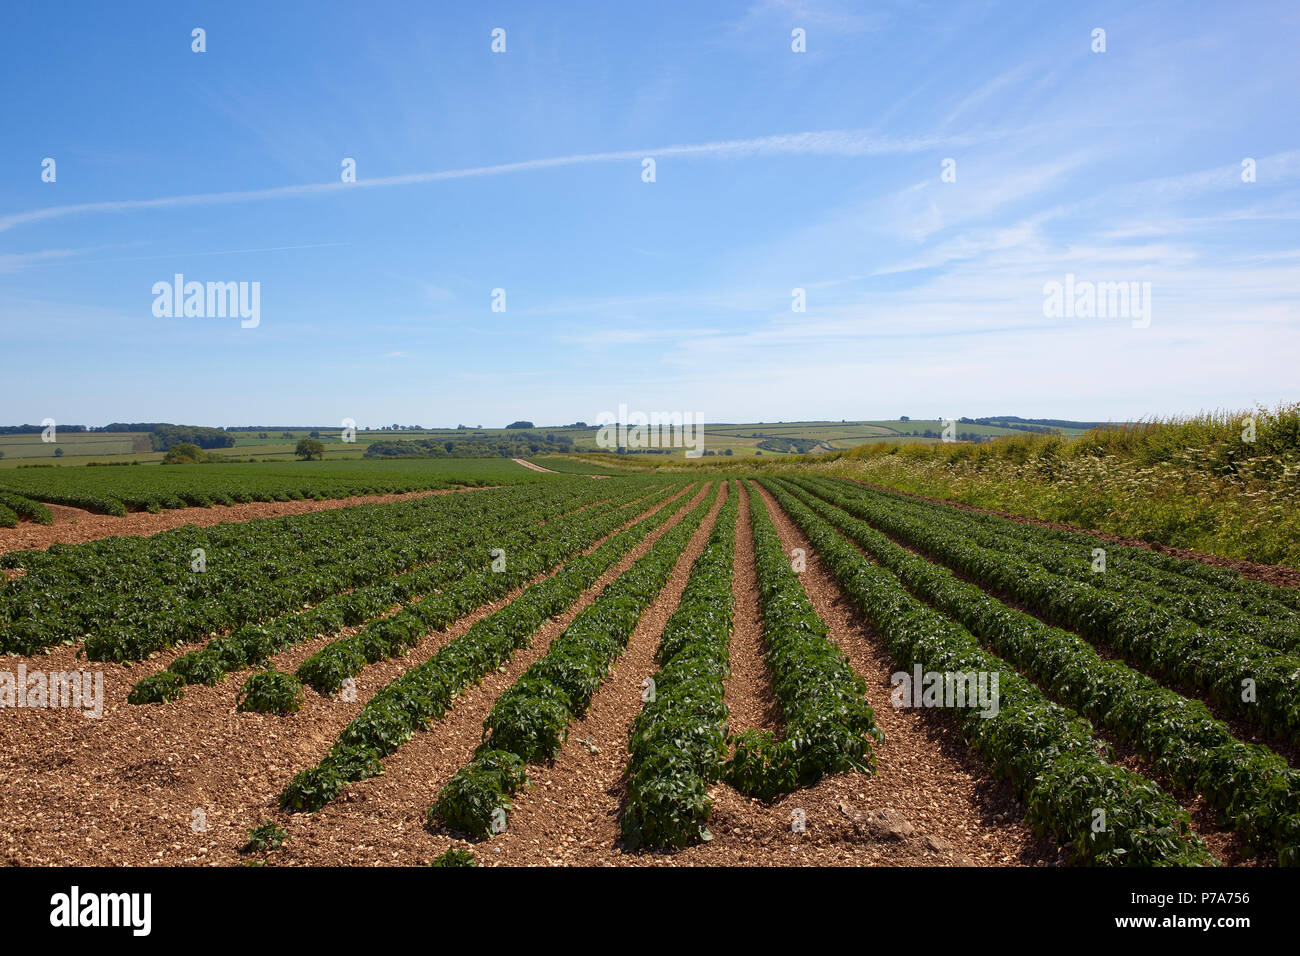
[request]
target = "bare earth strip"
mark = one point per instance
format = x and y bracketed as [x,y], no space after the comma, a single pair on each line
[534,467]
[74,526]
[123,789]
[932,800]
[751,704]
[380,821]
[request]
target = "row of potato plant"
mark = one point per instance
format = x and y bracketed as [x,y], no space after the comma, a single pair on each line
[1236,673]
[1106,814]
[828,725]
[677,747]
[526,555]
[16,506]
[530,721]
[252,644]
[1251,786]
[129,597]
[1172,573]
[1267,622]
[425,692]
[114,490]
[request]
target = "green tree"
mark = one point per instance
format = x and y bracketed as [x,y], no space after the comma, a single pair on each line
[309,448]
[185,453]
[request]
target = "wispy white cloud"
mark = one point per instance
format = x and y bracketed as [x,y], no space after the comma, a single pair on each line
[850,142]
[840,17]
[1275,168]
[1017,74]
[13,262]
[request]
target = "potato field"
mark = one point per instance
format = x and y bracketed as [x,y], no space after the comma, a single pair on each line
[659,669]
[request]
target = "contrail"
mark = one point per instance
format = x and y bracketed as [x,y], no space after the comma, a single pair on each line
[826,143]
[215,252]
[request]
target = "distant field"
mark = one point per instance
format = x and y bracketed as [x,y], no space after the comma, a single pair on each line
[80,448]
[81,445]
[742,439]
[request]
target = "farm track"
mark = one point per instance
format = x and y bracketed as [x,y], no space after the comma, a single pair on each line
[380,820]
[75,526]
[1275,574]
[531,467]
[122,789]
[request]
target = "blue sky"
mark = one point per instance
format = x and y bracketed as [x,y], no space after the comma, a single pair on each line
[522,171]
